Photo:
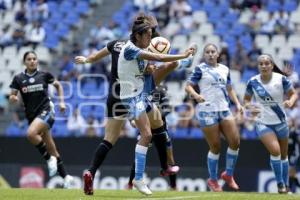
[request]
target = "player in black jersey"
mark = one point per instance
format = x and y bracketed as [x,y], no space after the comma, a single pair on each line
[32,84]
[116,112]
[293,155]
[160,98]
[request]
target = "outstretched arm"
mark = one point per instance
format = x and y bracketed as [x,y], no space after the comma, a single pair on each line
[93,57]
[13,97]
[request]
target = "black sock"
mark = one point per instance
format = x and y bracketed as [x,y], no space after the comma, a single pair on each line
[132,173]
[159,139]
[173,181]
[99,155]
[43,150]
[61,168]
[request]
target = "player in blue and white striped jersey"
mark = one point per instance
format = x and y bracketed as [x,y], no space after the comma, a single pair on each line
[213,113]
[132,64]
[268,89]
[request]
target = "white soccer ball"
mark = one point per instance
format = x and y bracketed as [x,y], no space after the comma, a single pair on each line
[159,45]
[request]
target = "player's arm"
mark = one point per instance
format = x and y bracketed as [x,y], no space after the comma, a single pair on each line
[146,55]
[13,97]
[234,98]
[189,88]
[93,57]
[292,98]
[60,92]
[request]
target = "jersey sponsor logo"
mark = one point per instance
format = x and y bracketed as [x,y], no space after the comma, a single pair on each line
[31,80]
[33,88]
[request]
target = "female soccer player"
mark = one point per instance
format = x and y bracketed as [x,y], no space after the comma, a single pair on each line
[33,87]
[160,98]
[268,89]
[114,101]
[214,114]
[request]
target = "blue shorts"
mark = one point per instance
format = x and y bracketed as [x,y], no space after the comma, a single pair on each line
[281,130]
[212,118]
[135,105]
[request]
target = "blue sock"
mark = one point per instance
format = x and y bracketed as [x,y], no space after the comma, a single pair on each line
[140,161]
[285,171]
[212,164]
[275,162]
[231,158]
[185,63]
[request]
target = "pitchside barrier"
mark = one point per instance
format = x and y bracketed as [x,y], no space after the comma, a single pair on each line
[22,166]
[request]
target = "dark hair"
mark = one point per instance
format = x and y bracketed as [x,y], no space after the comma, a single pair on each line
[27,53]
[275,67]
[210,44]
[140,25]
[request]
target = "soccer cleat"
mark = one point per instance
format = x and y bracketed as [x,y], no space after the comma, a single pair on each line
[52,165]
[214,185]
[282,189]
[170,170]
[230,181]
[68,180]
[88,183]
[129,186]
[141,187]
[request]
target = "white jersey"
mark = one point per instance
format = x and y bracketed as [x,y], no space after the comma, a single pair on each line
[130,71]
[212,82]
[269,97]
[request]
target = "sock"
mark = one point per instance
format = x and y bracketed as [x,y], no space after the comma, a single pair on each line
[99,155]
[132,173]
[173,181]
[275,162]
[231,158]
[61,168]
[285,171]
[43,150]
[185,63]
[140,161]
[212,163]
[160,141]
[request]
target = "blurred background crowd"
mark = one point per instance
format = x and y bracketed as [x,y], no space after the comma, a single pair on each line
[58,30]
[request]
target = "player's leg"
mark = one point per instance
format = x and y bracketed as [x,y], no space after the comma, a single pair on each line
[48,139]
[282,132]
[159,138]
[143,124]
[34,134]
[171,162]
[230,131]
[212,136]
[270,141]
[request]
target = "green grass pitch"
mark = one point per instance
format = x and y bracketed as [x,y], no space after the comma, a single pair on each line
[62,194]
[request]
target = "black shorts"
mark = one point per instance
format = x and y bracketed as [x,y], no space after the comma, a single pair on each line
[47,116]
[115,108]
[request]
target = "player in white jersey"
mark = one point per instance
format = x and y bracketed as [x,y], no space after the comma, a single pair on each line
[268,89]
[214,114]
[132,66]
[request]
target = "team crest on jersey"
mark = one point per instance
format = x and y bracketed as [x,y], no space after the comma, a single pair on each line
[31,80]
[24,89]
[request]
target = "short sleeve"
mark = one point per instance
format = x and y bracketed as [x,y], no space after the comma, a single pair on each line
[249,89]
[49,78]
[110,45]
[14,84]
[228,78]
[195,76]
[286,84]
[131,52]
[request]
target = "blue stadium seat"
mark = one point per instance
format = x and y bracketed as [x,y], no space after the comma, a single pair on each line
[209,6]
[62,30]
[82,7]
[72,19]
[290,5]
[66,7]
[273,6]
[51,41]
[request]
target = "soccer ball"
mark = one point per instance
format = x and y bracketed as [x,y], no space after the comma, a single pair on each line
[159,45]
